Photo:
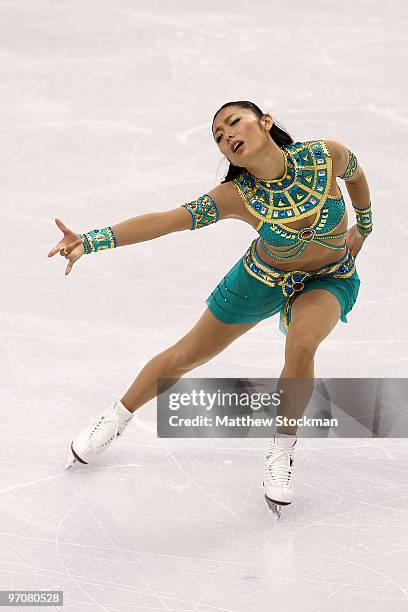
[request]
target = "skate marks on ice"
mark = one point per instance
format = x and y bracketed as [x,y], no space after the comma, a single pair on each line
[113,548]
[198,486]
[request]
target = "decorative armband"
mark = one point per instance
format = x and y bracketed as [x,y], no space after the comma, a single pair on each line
[364,218]
[204,211]
[98,240]
[351,166]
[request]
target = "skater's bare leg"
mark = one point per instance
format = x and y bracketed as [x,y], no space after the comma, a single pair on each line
[205,340]
[314,315]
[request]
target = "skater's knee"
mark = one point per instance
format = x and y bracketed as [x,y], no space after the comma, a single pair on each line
[301,347]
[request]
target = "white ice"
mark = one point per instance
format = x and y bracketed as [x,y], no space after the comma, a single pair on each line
[106,110]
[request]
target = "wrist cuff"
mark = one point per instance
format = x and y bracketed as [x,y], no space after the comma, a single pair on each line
[98,240]
[364,218]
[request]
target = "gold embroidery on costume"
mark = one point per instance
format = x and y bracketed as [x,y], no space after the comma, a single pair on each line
[351,166]
[301,192]
[204,211]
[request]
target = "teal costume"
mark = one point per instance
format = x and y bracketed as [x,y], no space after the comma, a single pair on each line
[253,290]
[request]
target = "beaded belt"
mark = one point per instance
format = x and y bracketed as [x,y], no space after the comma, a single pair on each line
[294,281]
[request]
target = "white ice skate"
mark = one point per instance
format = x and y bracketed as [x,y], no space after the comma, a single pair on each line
[100,434]
[278,479]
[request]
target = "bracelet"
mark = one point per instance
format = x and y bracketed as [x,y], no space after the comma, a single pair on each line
[364,218]
[98,240]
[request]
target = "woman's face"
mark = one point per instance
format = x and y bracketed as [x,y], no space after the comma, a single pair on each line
[234,124]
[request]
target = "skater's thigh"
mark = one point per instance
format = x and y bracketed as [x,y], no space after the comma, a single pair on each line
[209,336]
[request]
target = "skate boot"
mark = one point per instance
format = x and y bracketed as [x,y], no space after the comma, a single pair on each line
[100,434]
[278,480]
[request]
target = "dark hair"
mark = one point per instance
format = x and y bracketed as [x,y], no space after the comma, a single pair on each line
[278,134]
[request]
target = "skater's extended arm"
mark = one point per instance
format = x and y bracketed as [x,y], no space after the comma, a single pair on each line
[147,226]
[215,205]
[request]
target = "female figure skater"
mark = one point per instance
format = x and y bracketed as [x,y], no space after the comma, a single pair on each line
[301,265]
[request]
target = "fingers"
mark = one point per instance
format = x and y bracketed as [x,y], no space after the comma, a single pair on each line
[69,267]
[54,250]
[71,260]
[58,246]
[67,249]
[73,253]
[352,247]
[61,225]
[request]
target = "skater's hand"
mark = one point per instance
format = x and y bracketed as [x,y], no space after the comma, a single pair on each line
[354,240]
[70,246]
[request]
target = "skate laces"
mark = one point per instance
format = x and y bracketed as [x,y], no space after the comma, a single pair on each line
[278,463]
[102,431]
[105,428]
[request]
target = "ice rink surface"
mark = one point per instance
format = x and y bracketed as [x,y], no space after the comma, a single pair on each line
[106,110]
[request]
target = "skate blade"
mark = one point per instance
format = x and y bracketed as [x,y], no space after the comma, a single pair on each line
[70,464]
[74,459]
[275,507]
